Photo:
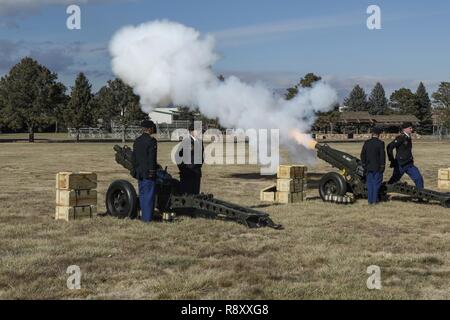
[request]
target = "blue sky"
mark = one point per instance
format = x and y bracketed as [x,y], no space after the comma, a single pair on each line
[272,41]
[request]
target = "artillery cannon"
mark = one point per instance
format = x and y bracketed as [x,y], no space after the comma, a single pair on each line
[122,199]
[351,179]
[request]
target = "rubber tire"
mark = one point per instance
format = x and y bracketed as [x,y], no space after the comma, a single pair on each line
[130,201]
[446,203]
[335,178]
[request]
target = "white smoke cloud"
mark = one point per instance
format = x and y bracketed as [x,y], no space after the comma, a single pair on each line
[166,62]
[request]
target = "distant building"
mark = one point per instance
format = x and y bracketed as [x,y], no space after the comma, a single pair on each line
[343,108]
[362,122]
[164,115]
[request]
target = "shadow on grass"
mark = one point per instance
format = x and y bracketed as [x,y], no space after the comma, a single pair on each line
[258,176]
[265,205]
[251,176]
[413,200]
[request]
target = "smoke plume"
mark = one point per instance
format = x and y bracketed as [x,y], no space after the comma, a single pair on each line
[167,62]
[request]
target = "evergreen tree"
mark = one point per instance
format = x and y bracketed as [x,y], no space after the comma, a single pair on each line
[308,80]
[404,101]
[305,82]
[2,113]
[442,99]
[377,100]
[187,113]
[78,112]
[116,101]
[60,102]
[357,100]
[291,92]
[423,110]
[442,95]
[29,93]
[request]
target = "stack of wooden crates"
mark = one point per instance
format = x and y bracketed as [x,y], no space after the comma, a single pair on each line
[290,187]
[76,197]
[444,179]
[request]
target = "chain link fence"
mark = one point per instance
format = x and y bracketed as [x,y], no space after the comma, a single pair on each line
[164,131]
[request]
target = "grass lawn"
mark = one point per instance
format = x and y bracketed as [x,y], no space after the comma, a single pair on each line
[323,253]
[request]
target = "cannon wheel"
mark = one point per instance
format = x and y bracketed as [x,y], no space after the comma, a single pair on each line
[446,203]
[122,200]
[332,184]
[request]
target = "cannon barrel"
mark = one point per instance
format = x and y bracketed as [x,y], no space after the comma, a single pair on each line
[124,157]
[338,159]
[117,148]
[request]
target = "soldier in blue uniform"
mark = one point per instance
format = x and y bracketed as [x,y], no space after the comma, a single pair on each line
[373,159]
[403,162]
[145,164]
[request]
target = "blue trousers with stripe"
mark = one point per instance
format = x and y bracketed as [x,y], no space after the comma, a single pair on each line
[146,198]
[411,170]
[373,181]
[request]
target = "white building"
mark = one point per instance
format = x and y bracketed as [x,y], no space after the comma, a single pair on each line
[343,108]
[163,115]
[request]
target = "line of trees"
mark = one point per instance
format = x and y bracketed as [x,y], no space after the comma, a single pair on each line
[401,101]
[32,98]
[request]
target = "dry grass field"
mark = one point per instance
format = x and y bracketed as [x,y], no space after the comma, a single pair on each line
[323,252]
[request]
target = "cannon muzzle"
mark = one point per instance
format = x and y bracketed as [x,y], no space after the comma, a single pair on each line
[117,148]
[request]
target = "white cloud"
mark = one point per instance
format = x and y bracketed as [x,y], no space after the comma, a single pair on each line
[63,58]
[241,35]
[244,35]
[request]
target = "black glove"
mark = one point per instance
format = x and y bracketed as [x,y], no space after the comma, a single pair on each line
[151,174]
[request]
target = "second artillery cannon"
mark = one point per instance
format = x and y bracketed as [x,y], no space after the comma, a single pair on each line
[351,179]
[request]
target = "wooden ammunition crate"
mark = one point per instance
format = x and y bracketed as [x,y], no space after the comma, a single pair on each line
[74,198]
[75,213]
[289,197]
[285,172]
[300,171]
[76,180]
[291,185]
[291,171]
[444,174]
[268,194]
[444,184]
